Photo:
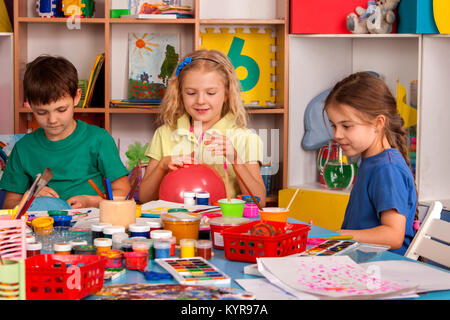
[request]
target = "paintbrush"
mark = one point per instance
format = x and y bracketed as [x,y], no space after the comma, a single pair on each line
[26,196]
[94,186]
[133,188]
[227,181]
[248,189]
[45,178]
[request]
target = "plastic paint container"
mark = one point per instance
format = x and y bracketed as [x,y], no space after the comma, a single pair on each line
[202,198]
[117,239]
[62,248]
[109,231]
[102,244]
[189,198]
[154,225]
[74,243]
[251,211]
[43,225]
[234,208]
[52,213]
[274,214]
[204,249]
[136,260]
[114,259]
[97,229]
[173,242]
[126,245]
[187,248]
[62,222]
[140,246]
[33,249]
[84,250]
[30,238]
[161,234]
[139,230]
[220,223]
[162,249]
[184,225]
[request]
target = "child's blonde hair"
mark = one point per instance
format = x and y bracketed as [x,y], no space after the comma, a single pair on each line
[172,106]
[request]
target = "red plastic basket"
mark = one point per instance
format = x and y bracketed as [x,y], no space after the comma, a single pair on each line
[240,245]
[63,277]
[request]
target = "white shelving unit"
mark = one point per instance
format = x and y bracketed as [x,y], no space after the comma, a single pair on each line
[7,83]
[317,62]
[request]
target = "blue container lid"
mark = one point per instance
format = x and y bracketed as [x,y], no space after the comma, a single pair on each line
[62,218]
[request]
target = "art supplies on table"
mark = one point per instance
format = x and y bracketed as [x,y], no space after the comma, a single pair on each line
[329,277]
[111,274]
[149,291]
[358,251]
[195,271]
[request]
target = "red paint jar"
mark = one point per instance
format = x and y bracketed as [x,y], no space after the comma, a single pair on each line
[204,249]
[33,249]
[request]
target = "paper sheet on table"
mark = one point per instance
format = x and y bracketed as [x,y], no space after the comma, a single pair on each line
[329,277]
[161,206]
[426,277]
[264,290]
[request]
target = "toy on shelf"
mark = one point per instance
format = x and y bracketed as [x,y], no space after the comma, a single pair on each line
[377,18]
[78,8]
[49,8]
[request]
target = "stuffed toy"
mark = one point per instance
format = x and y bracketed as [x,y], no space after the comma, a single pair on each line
[357,23]
[382,19]
[377,18]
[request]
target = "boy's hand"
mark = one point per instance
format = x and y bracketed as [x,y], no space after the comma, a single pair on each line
[83,201]
[48,192]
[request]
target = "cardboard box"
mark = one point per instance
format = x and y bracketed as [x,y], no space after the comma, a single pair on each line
[322,16]
[416,16]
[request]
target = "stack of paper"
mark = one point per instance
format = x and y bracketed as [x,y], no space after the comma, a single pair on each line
[329,277]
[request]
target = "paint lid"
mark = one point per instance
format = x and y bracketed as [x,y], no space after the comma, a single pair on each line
[113,229]
[138,238]
[140,245]
[228,221]
[187,242]
[34,246]
[204,195]
[160,234]
[204,244]
[154,224]
[74,243]
[137,227]
[181,216]
[177,210]
[52,213]
[62,246]
[99,226]
[119,237]
[188,194]
[103,242]
[42,222]
[30,239]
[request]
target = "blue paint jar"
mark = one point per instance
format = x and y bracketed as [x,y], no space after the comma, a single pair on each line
[162,249]
[62,221]
[202,198]
[139,230]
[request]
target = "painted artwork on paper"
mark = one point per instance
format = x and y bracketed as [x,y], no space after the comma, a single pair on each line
[152,59]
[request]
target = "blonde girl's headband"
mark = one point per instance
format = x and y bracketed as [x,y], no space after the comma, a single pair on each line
[188,60]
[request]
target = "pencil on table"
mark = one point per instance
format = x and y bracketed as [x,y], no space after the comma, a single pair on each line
[94,186]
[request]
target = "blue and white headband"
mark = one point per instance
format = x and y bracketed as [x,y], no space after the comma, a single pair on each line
[188,60]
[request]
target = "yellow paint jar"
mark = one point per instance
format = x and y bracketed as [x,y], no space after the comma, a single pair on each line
[187,248]
[42,225]
[102,245]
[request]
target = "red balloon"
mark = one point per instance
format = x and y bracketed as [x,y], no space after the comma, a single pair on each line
[196,178]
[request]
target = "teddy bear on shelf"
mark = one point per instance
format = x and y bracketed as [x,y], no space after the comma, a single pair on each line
[384,16]
[377,18]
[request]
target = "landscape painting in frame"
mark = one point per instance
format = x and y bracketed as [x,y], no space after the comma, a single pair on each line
[152,59]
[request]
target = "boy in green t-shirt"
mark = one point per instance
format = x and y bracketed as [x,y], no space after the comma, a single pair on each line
[74,150]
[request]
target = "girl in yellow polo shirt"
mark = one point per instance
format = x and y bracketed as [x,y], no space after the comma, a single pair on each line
[204,121]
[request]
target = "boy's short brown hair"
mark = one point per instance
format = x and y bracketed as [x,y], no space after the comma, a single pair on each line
[47,79]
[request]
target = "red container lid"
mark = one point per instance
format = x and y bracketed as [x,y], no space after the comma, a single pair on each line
[228,221]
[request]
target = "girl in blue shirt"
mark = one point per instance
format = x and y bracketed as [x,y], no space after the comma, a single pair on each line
[383,201]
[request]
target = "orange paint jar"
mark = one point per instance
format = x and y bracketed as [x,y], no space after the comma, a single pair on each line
[184,225]
[102,244]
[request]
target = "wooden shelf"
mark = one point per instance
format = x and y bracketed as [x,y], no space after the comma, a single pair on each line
[152,21]
[77,110]
[59,20]
[242,21]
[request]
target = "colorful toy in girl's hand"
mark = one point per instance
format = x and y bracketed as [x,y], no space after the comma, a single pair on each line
[197,178]
[335,170]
